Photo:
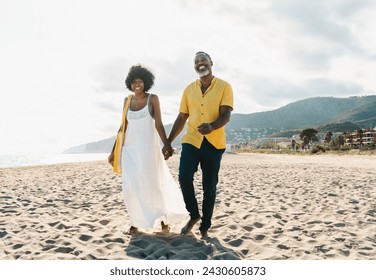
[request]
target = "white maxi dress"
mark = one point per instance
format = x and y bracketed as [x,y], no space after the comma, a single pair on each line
[150,192]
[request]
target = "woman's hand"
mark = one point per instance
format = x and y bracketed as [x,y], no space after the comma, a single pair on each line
[111,159]
[167,150]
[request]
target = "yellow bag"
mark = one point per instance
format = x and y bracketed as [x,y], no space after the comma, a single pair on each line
[120,137]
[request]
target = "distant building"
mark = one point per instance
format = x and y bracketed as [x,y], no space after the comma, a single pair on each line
[361,138]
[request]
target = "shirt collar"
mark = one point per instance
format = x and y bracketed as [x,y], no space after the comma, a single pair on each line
[213,81]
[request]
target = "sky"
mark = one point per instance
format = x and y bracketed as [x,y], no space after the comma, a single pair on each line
[63,63]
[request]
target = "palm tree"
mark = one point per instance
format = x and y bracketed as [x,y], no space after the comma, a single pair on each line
[328,137]
[293,144]
[305,142]
[308,135]
[341,140]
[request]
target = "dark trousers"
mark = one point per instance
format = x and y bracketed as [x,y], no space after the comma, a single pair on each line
[209,159]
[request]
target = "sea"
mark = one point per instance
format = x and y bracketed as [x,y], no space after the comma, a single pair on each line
[30,160]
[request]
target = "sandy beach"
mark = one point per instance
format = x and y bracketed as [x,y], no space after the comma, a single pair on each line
[269,207]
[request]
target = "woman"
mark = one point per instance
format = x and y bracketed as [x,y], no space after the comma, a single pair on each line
[150,192]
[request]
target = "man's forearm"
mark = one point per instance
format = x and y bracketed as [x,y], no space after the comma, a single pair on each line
[222,120]
[177,127]
[175,131]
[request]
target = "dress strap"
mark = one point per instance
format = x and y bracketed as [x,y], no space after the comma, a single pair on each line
[149,107]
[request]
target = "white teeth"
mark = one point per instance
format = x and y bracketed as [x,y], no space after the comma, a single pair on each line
[201,67]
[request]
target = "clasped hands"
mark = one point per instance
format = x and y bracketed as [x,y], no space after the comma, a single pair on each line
[204,129]
[167,150]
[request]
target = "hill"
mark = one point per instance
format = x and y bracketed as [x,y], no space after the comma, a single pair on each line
[105,145]
[323,113]
[102,146]
[312,112]
[364,116]
[309,112]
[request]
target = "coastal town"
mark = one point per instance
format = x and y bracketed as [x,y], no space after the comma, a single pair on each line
[259,139]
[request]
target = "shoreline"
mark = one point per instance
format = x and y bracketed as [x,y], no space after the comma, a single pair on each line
[246,152]
[7,161]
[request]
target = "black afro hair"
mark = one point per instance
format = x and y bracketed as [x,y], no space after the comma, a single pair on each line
[142,73]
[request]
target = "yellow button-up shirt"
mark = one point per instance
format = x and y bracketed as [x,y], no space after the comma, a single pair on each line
[204,108]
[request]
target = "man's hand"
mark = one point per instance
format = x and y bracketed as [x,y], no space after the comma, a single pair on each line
[111,159]
[205,128]
[167,150]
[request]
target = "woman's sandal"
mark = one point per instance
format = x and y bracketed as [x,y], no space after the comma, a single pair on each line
[165,228]
[132,230]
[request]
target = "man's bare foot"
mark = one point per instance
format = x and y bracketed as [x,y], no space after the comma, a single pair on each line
[132,230]
[165,228]
[188,227]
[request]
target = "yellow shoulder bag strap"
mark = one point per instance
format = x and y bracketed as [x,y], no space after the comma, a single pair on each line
[120,138]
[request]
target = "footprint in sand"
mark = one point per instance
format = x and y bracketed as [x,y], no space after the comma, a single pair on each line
[53,224]
[236,243]
[260,237]
[104,222]
[248,228]
[340,225]
[85,237]
[48,247]
[283,247]
[115,240]
[258,225]
[65,250]
[17,246]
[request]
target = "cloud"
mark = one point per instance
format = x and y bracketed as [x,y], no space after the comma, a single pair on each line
[272,92]
[266,92]
[347,8]
[323,29]
[272,52]
[107,106]
[314,17]
[109,75]
[173,75]
[311,60]
[170,72]
[326,87]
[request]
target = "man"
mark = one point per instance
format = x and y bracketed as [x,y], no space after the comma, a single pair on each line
[206,104]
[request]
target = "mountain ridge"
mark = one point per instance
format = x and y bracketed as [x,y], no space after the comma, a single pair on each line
[316,112]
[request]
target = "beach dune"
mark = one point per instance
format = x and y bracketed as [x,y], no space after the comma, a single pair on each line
[268,207]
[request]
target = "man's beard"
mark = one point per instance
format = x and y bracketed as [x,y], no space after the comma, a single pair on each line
[203,73]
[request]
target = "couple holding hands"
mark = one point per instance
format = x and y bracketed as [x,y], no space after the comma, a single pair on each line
[150,192]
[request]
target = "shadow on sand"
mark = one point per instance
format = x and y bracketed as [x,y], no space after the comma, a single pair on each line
[173,246]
